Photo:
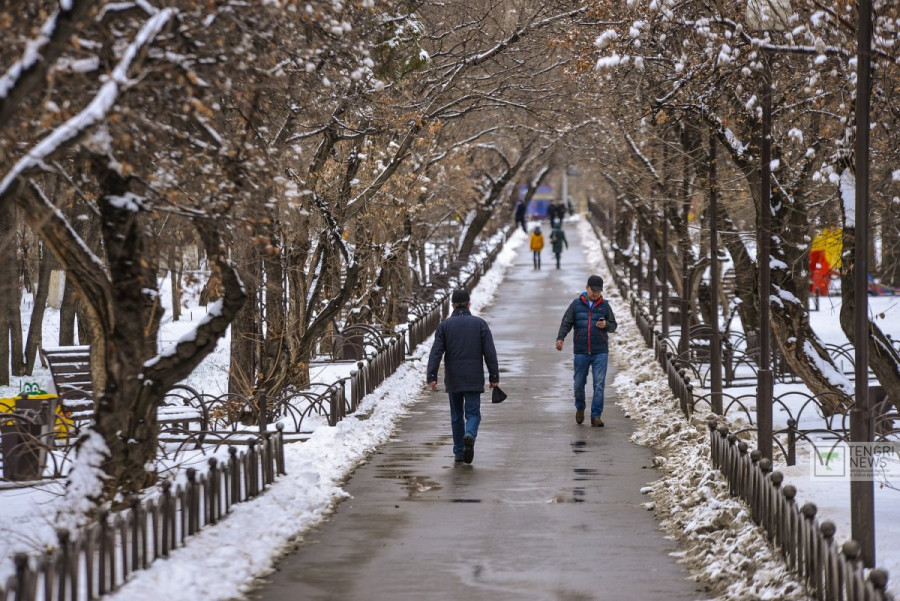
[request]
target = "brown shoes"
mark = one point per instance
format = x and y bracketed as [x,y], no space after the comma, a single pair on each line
[596,422]
[579,416]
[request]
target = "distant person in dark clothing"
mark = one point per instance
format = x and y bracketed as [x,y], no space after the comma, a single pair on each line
[557,239]
[466,344]
[593,320]
[556,212]
[520,215]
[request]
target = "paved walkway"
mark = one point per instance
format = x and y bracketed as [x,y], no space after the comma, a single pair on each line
[548,510]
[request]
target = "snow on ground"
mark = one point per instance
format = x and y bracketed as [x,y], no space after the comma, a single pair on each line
[720,545]
[832,497]
[223,560]
[29,516]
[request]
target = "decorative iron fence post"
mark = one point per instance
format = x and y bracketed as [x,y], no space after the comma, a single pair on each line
[212,488]
[235,474]
[21,563]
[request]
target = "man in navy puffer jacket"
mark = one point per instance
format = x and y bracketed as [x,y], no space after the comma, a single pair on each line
[466,345]
[593,321]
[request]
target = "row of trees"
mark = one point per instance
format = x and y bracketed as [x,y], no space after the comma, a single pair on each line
[693,75]
[311,151]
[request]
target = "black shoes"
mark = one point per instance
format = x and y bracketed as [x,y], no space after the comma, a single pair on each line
[596,422]
[469,453]
[579,416]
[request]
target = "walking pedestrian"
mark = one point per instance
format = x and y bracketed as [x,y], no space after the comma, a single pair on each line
[466,344]
[592,318]
[537,245]
[557,239]
[520,215]
[556,212]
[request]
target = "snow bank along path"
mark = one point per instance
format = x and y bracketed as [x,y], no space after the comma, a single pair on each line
[721,546]
[222,561]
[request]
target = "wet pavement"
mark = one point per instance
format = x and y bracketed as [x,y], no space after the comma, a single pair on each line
[548,509]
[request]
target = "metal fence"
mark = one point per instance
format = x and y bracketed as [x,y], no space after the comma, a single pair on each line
[831,572]
[103,555]
[100,557]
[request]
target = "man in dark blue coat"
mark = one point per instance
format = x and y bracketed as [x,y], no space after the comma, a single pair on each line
[466,344]
[520,215]
[593,320]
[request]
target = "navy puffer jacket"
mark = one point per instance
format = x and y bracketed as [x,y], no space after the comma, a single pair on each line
[466,344]
[583,318]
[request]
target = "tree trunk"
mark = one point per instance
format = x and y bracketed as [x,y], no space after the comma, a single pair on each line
[67,314]
[482,216]
[884,359]
[176,267]
[295,259]
[274,360]
[245,330]
[802,349]
[9,296]
[128,386]
[36,327]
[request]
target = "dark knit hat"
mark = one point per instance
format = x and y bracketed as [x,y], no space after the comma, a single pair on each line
[460,296]
[595,282]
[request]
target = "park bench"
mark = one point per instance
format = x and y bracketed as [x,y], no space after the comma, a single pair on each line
[70,368]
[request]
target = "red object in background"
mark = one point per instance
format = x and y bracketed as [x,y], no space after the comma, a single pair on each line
[819,272]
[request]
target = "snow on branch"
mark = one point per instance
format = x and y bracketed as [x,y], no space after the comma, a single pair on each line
[643,158]
[95,111]
[30,57]
[28,71]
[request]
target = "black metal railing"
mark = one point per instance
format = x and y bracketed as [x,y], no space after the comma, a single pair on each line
[100,557]
[832,572]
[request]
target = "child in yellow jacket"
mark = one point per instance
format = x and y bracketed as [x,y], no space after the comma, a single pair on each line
[537,245]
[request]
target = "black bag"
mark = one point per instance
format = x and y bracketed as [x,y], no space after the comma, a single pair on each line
[497,395]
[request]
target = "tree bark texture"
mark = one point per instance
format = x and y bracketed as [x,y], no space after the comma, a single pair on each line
[41,293]
[884,359]
[801,348]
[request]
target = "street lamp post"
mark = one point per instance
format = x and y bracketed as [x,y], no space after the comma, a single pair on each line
[862,492]
[664,275]
[651,262]
[715,338]
[764,375]
[763,16]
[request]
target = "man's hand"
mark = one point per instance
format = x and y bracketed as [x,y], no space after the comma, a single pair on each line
[433,385]
[559,345]
[495,384]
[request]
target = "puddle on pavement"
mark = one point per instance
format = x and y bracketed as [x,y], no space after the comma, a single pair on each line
[577,496]
[584,473]
[414,485]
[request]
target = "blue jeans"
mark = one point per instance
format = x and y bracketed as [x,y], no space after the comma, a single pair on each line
[465,415]
[597,363]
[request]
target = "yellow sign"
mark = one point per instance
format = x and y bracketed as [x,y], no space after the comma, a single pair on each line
[63,423]
[829,241]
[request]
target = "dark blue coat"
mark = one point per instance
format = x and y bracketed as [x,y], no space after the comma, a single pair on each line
[465,342]
[589,338]
[520,211]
